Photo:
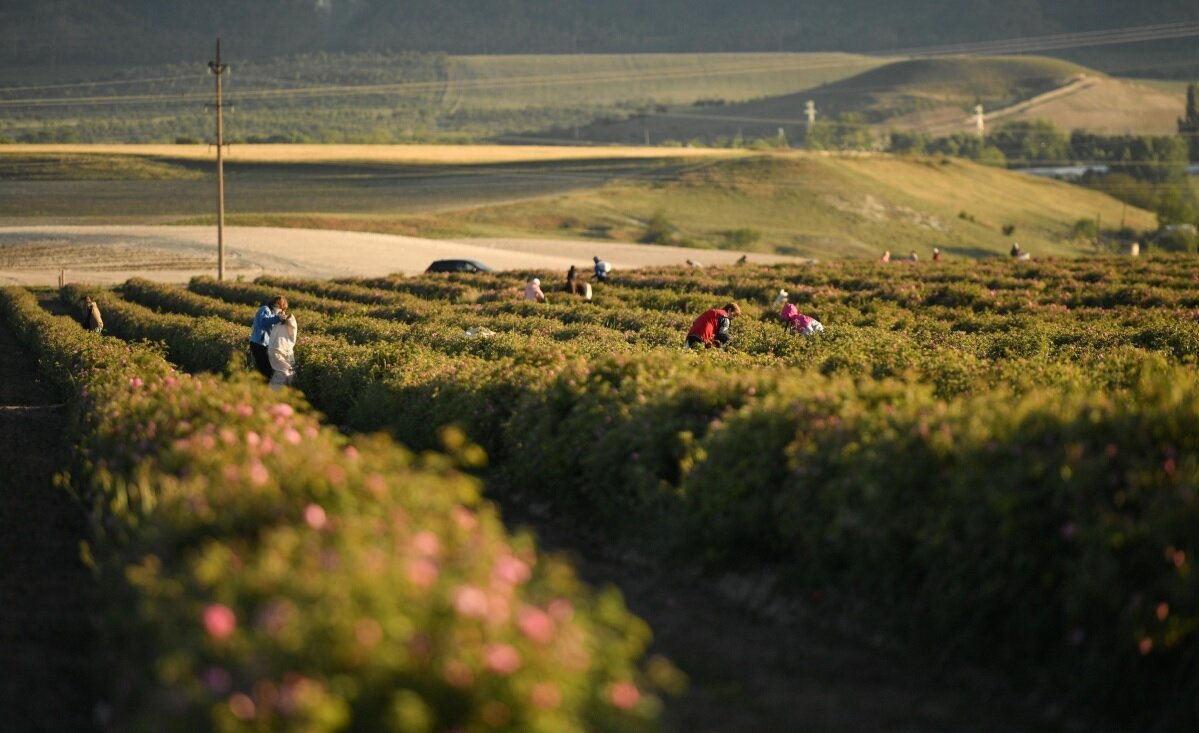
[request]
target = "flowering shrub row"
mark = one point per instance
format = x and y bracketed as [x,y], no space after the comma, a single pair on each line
[262,572]
[1009,472]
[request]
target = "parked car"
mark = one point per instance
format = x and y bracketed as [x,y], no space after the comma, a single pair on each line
[458,266]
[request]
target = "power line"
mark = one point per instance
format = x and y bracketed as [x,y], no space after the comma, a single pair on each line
[484,84]
[1057,41]
[115,82]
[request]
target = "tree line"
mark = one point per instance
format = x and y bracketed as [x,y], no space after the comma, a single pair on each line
[62,31]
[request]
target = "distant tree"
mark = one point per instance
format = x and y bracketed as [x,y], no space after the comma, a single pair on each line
[1188,126]
[908,141]
[821,135]
[1031,141]
[991,155]
[742,238]
[1086,228]
[1177,205]
[854,133]
[1177,239]
[658,230]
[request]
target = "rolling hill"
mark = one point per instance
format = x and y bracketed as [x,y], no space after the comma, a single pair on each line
[927,95]
[387,97]
[824,206]
[796,203]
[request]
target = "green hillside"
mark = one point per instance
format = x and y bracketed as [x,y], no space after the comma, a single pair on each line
[822,206]
[376,97]
[807,204]
[587,80]
[879,94]
[959,81]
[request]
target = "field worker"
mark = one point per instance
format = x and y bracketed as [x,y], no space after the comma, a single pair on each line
[571,276]
[712,326]
[780,298]
[936,254]
[1015,250]
[533,290]
[913,257]
[91,314]
[282,351]
[799,323]
[602,269]
[265,319]
[886,256]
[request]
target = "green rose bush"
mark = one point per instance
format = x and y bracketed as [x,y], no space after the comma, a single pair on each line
[260,571]
[999,457]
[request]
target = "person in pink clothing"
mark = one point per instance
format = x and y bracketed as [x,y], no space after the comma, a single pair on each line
[799,323]
[533,291]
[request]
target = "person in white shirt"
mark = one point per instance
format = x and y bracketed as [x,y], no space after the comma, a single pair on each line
[282,351]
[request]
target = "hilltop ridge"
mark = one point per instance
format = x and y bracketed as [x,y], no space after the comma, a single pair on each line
[147,31]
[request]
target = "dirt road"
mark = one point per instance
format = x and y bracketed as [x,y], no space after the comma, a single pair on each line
[35,255]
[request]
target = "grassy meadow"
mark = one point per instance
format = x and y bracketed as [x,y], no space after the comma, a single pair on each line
[390,97]
[540,81]
[814,205]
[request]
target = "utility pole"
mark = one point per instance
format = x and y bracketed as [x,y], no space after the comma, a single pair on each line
[218,69]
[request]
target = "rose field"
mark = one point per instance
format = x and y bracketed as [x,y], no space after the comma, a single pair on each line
[998,460]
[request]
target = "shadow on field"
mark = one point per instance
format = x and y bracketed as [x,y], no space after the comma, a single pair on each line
[761,660]
[46,595]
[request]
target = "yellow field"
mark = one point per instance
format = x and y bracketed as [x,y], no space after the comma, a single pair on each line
[400,154]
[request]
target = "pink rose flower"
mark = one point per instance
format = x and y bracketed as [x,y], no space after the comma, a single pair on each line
[502,658]
[219,621]
[536,625]
[314,516]
[470,602]
[545,696]
[625,695]
[510,570]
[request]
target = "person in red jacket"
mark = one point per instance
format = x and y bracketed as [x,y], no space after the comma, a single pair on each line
[712,327]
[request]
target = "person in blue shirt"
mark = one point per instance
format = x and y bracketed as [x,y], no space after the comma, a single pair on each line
[266,317]
[602,269]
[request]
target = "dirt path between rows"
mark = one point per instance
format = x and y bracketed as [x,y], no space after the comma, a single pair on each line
[758,660]
[45,592]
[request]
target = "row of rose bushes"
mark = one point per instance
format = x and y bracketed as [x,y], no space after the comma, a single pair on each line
[957,351]
[261,572]
[1050,523]
[1062,310]
[997,285]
